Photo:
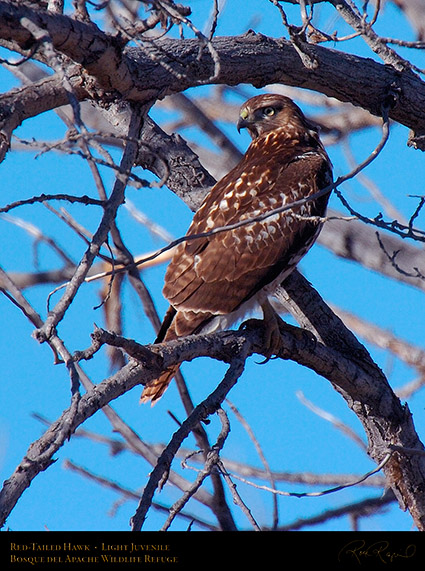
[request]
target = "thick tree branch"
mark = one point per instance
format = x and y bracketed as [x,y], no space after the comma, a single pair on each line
[384,419]
[84,43]
[28,101]
[342,371]
[380,411]
[140,74]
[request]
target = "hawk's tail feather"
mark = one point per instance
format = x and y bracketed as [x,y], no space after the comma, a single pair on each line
[155,389]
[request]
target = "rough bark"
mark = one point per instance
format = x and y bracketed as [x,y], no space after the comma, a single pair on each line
[387,423]
[111,75]
[251,58]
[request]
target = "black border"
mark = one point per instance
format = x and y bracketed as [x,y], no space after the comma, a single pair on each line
[197,550]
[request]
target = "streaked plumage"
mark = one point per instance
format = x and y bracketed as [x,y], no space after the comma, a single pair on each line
[212,282]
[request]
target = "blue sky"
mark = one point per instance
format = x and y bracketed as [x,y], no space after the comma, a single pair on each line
[292,437]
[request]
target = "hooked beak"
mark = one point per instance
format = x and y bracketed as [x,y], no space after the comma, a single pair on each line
[243,121]
[242,124]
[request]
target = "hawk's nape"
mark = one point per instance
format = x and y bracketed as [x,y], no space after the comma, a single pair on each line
[214,281]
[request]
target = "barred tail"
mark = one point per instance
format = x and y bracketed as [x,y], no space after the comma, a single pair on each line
[176,324]
[155,389]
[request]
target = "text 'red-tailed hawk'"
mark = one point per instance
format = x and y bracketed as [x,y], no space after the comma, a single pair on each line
[213,281]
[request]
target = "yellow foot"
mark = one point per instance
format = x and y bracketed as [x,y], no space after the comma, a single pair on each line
[274,326]
[272,338]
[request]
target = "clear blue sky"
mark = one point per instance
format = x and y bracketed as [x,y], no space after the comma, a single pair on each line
[292,437]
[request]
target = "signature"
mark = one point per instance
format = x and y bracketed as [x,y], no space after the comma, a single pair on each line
[360,550]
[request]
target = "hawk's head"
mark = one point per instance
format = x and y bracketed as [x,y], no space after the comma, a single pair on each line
[264,113]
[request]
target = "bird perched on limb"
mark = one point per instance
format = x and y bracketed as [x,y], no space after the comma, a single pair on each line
[215,280]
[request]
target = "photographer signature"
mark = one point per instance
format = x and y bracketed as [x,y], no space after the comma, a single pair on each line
[360,550]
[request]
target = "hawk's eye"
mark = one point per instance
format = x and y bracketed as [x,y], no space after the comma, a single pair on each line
[269,111]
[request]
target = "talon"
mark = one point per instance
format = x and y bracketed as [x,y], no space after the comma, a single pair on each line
[266,360]
[272,338]
[273,326]
[250,324]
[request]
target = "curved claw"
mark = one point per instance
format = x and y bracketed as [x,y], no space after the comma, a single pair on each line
[273,326]
[250,323]
[266,360]
[272,337]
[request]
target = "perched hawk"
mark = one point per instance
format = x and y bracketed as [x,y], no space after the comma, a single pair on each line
[212,282]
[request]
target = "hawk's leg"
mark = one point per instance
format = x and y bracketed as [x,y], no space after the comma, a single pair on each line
[274,325]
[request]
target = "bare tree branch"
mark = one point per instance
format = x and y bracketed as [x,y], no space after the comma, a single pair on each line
[260,61]
[102,88]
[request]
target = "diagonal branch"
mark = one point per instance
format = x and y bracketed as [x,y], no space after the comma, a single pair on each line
[200,412]
[383,417]
[388,55]
[100,236]
[345,364]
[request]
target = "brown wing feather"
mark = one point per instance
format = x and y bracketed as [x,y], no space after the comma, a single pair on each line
[215,275]
[218,273]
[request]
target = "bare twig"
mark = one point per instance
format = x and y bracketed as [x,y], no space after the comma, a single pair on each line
[268,471]
[99,237]
[200,412]
[211,460]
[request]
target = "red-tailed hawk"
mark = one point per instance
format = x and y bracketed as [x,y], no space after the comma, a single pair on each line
[212,282]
